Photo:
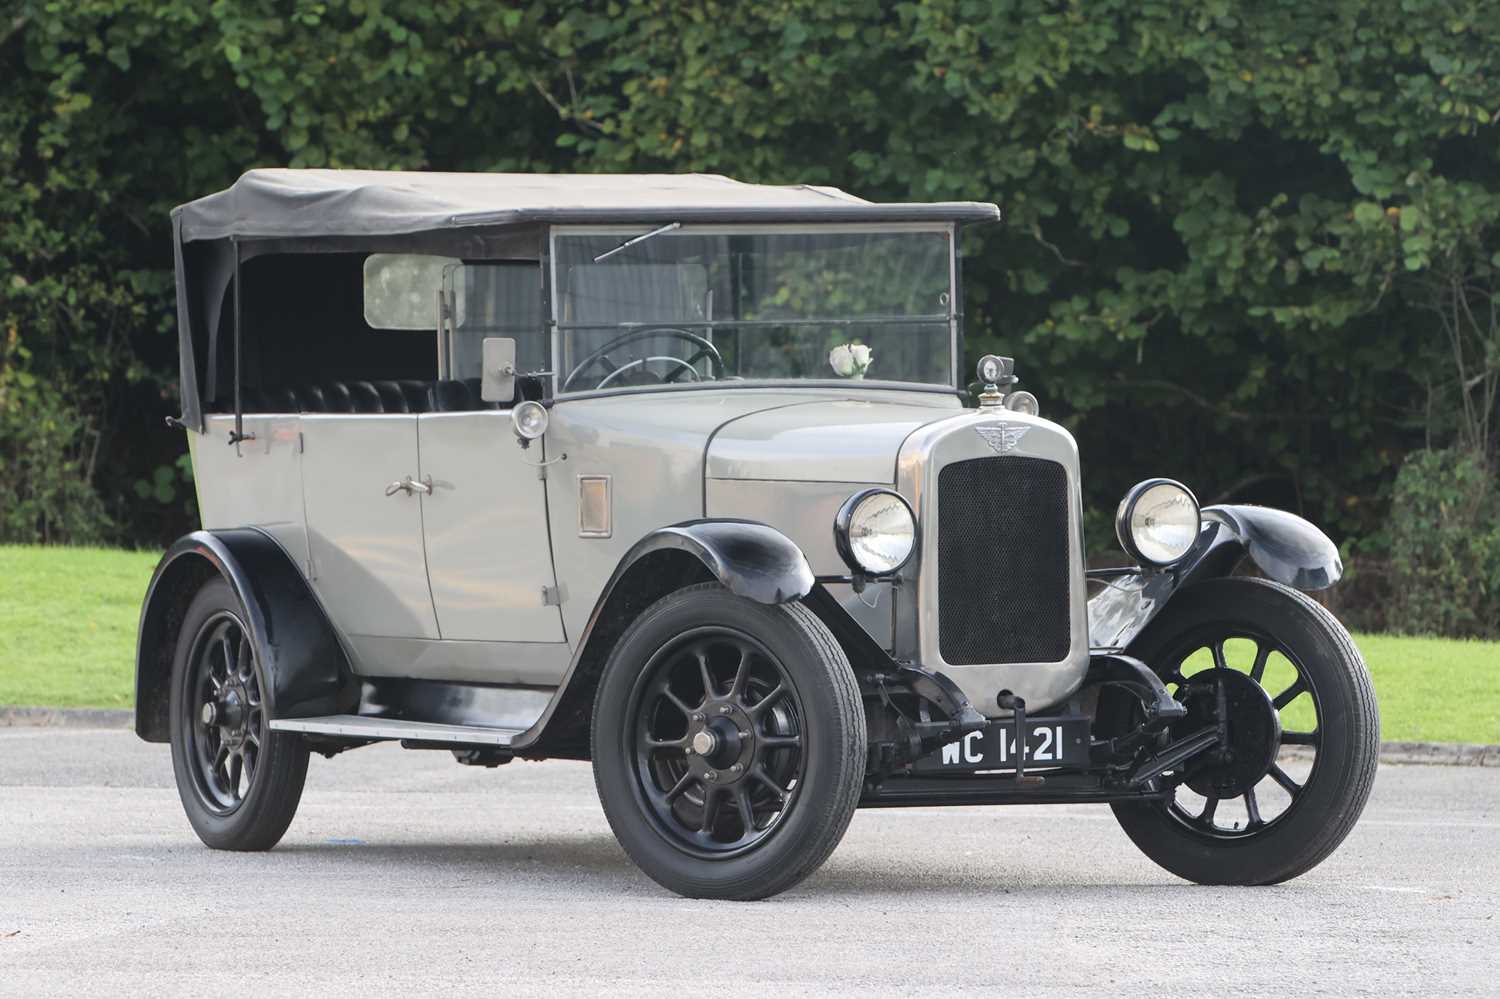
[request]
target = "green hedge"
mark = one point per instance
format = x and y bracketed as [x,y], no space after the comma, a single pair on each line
[1445,547]
[1247,245]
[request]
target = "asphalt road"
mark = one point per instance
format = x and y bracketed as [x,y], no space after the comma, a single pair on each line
[407,874]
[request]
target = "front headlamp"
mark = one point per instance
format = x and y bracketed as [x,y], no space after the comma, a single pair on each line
[875,531]
[1157,521]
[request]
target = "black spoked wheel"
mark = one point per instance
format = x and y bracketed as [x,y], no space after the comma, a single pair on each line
[1292,697]
[239,782]
[728,744]
[1268,700]
[229,723]
[718,744]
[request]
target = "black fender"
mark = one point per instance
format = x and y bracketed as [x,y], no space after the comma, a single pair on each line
[306,668]
[1284,546]
[750,559]
[873,664]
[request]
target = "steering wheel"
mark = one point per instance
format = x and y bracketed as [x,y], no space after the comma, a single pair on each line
[601,357]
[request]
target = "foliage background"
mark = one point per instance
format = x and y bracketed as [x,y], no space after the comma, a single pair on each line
[1248,246]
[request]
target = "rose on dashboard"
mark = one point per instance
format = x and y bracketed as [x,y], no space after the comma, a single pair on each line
[850,360]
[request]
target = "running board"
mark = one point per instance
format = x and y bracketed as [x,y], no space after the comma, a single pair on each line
[362,727]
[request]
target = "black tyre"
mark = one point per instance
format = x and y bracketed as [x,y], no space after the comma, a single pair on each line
[728,744]
[239,782]
[1286,673]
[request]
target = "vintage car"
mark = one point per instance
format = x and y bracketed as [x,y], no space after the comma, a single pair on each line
[677,474]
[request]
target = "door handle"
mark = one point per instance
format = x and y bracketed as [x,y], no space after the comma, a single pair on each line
[408,486]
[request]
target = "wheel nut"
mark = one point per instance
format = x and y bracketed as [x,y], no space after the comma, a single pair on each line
[698,718]
[210,713]
[724,709]
[711,775]
[736,768]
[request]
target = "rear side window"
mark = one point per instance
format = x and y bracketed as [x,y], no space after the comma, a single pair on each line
[374,332]
[402,289]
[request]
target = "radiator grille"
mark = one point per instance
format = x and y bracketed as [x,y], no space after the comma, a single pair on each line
[1003,561]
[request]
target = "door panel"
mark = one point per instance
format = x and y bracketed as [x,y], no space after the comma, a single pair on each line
[488,552]
[366,547]
[256,484]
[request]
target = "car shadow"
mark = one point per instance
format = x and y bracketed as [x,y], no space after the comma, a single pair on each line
[596,862]
[592,856]
[836,880]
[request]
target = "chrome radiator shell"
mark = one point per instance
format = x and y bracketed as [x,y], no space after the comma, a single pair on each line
[981,434]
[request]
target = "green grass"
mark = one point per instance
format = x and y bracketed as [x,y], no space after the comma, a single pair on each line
[1435,689]
[67,625]
[68,618]
[1429,689]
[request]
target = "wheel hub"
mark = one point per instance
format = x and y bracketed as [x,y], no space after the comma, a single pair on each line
[227,711]
[722,740]
[1249,731]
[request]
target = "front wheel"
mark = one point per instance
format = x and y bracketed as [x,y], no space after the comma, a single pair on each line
[239,782]
[728,744]
[1280,671]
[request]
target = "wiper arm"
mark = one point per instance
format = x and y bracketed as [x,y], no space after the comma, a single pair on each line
[637,239]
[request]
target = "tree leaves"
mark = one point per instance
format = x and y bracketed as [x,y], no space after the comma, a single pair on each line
[1222,222]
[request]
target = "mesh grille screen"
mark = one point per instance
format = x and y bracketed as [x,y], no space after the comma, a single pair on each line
[1003,561]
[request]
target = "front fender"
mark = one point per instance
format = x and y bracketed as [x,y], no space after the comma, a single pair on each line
[1284,546]
[306,669]
[750,559]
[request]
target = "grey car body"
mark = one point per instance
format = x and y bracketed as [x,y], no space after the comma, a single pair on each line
[509,582]
[408,562]
[488,578]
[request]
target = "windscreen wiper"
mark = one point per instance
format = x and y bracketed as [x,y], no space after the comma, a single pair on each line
[637,239]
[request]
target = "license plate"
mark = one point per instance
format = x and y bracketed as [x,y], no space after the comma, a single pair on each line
[1050,742]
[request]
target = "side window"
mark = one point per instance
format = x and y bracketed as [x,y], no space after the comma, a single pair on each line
[312,342]
[401,290]
[499,300]
[362,332]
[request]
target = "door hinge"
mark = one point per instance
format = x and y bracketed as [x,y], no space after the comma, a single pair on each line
[552,596]
[301,443]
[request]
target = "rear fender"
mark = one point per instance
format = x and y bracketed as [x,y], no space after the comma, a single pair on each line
[306,668]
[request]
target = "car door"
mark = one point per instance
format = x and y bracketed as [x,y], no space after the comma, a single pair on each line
[364,536]
[489,556]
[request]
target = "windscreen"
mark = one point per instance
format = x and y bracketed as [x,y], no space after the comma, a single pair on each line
[691,304]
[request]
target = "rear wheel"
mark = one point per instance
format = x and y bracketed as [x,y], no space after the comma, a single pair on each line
[1281,672]
[728,744]
[239,782]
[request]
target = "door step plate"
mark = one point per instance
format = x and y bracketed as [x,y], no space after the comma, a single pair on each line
[361,727]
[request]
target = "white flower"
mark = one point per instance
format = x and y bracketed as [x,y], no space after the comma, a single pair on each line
[850,360]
